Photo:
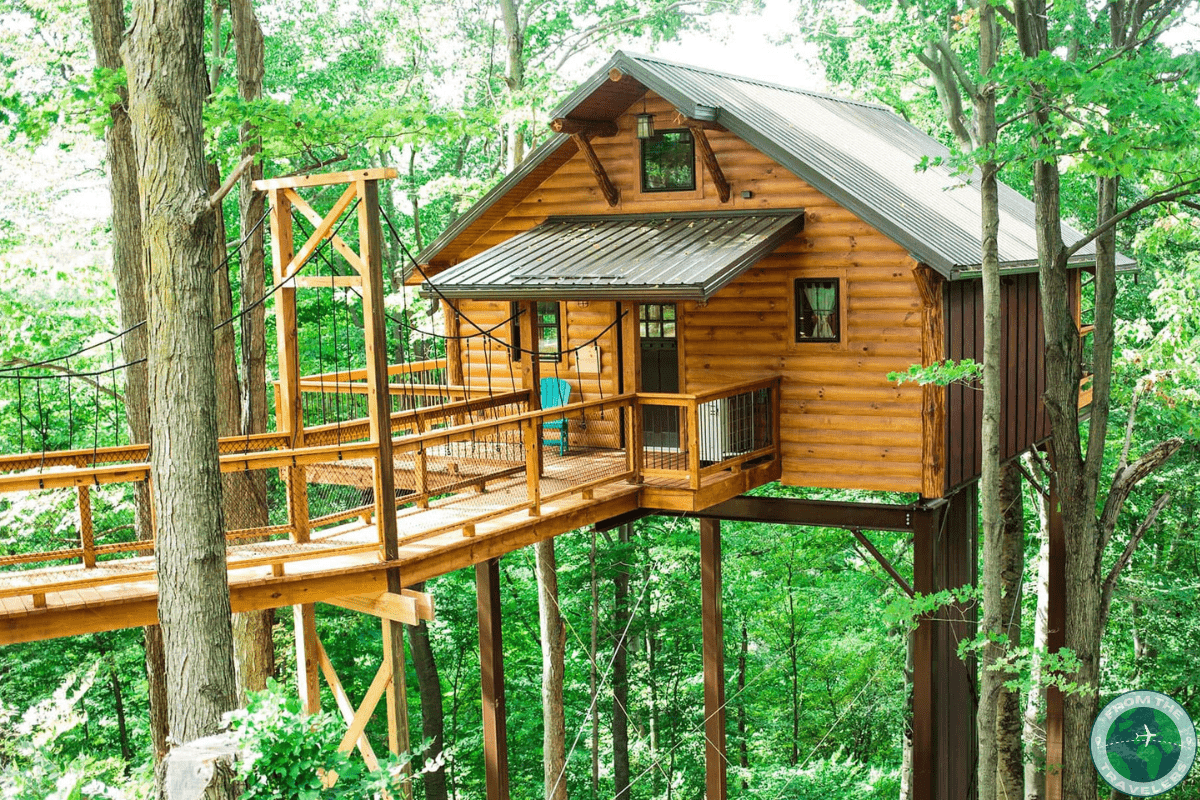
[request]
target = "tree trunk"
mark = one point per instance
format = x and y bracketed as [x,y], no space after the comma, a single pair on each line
[1009,756]
[620,674]
[429,686]
[593,672]
[1035,702]
[164,62]
[108,26]
[554,738]
[743,744]
[254,646]
[990,680]
[514,34]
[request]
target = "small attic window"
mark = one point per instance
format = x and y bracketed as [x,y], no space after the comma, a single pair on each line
[669,162]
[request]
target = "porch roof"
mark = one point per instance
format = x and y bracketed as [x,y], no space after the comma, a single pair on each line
[679,256]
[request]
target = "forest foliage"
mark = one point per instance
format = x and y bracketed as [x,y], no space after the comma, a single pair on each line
[814,658]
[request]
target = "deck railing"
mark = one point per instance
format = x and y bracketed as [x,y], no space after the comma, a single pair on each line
[717,430]
[468,460]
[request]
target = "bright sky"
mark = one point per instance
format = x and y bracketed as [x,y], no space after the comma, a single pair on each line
[748,44]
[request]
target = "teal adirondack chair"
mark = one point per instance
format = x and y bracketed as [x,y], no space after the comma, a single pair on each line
[555,392]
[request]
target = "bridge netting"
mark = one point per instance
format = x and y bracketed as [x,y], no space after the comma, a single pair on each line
[74,480]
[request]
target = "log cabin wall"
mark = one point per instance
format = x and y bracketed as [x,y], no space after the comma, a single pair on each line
[1023,418]
[844,424]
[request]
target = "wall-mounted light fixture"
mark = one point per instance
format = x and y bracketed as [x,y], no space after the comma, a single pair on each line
[645,123]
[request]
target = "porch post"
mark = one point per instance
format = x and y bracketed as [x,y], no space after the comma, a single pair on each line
[491,679]
[924,742]
[956,554]
[714,660]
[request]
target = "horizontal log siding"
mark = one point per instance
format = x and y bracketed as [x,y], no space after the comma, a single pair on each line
[844,424]
[1023,418]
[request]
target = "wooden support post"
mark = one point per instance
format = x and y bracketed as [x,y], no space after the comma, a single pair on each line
[531,370]
[308,657]
[454,348]
[691,434]
[631,381]
[715,761]
[924,756]
[957,557]
[370,244]
[533,465]
[1056,623]
[491,679]
[86,539]
[290,418]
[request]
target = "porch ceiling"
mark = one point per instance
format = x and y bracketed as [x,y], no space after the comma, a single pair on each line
[679,256]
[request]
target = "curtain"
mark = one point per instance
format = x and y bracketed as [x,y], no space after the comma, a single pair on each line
[822,297]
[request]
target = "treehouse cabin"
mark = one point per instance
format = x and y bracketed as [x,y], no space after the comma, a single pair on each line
[696,286]
[691,234]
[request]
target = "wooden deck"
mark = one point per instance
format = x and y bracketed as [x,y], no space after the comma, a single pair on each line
[466,494]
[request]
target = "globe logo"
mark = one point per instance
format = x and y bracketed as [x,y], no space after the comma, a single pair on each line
[1143,743]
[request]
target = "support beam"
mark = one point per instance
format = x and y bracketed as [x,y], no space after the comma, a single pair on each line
[408,607]
[611,195]
[584,127]
[308,658]
[818,513]
[710,161]
[491,679]
[715,761]
[1056,623]
[348,712]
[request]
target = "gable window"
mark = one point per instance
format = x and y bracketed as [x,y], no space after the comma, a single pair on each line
[547,330]
[818,314]
[669,162]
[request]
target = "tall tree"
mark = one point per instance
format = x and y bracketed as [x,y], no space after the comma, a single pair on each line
[164,62]
[108,26]
[554,641]
[254,648]
[1130,64]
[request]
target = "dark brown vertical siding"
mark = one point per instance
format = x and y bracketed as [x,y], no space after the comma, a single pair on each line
[1023,419]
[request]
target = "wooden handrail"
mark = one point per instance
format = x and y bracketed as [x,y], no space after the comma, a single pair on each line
[393,369]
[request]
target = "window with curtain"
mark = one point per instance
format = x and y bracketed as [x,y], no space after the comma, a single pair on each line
[818,317]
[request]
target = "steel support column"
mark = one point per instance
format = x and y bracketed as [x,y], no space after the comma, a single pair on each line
[491,679]
[715,761]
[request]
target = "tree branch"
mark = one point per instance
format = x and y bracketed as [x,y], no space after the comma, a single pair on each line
[1124,481]
[22,362]
[1110,583]
[230,182]
[960,71]
[1180,190]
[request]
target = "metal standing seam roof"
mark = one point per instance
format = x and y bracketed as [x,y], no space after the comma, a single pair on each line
[861,155]
[688,255]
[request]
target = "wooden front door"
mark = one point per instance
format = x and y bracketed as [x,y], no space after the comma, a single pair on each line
[660,371]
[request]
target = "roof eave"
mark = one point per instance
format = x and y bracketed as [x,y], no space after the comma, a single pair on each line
[481,206]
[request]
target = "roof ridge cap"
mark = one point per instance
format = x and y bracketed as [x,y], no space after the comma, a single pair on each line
[755,81]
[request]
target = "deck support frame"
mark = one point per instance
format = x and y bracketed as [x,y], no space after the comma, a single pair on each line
[713,628]
[491,679]
[945,537]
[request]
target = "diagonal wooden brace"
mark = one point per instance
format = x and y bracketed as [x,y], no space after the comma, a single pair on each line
[323,230]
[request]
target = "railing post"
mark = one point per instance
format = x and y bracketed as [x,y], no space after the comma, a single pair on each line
[533,466]
[776,402]
[633,439]
[692,419]
[421,476]
[86,539]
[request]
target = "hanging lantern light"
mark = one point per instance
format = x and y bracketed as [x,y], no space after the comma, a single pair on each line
[645,123]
